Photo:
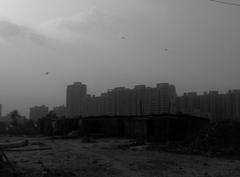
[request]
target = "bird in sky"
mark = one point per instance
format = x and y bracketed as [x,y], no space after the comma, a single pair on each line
[46,73]
[123,37]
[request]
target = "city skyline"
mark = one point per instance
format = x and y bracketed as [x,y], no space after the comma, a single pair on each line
[143,100]
[26,111]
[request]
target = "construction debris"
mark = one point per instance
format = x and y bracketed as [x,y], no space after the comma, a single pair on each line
[17,146]
[31,149]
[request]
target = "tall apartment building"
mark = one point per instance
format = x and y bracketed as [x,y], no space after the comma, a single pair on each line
[89,106]
[60,111]
[189,103]
[233,104]
[166,96]
[121,101]
[37,112]
[142,100]
[0,110]
[211,104]
[76,95]
[115,102]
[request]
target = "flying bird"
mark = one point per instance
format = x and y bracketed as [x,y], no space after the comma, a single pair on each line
[123,37]
[46,73]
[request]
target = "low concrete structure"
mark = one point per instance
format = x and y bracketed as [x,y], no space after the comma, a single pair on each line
[152,128]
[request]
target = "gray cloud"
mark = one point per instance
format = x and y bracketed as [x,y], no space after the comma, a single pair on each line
[91,26]
[10,31]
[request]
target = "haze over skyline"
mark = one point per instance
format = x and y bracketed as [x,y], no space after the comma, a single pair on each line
[109,43]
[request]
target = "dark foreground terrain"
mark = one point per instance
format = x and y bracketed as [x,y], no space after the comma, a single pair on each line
[104,158]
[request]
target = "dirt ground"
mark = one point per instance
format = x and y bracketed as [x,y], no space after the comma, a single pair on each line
[69,158]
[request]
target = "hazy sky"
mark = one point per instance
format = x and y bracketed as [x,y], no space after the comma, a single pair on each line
[110,43]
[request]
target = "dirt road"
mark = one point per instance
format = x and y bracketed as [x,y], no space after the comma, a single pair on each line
[103,159]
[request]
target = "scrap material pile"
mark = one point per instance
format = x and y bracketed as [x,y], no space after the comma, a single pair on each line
[7,167]
[8,146]
[5,164]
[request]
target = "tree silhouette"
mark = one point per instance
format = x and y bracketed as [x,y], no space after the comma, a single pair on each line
[20,125]
[14,115]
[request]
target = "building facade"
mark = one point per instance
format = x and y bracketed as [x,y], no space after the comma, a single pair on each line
[212,104]
[76,95]
[37,112]
[0,110]
[121,101]
[143,100]
[60,111]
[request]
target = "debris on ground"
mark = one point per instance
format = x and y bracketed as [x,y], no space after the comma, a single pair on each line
[72,158]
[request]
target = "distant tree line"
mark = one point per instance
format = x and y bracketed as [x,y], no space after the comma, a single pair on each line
[18,126]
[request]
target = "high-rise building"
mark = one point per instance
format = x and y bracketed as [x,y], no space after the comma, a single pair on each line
[76,95]
[166,95]
[111,103]
[140,99]
[204,105]
[233,104]
[213,103]
[37,112]
[60,111]
[0,110]
[123,101]
[189,103]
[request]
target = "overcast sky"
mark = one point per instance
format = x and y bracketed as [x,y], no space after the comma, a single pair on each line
[193,44]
